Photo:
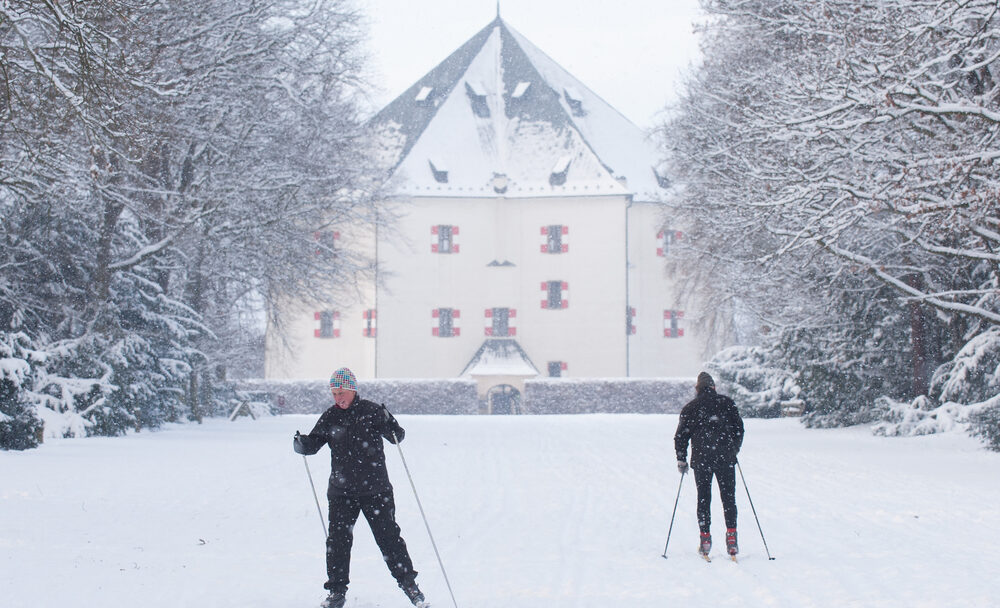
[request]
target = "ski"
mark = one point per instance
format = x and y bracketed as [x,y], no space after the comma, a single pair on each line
[733,557]
[705,557]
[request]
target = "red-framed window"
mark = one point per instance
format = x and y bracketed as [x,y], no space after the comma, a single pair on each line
[444,239]
[555,239]
[326,241]
[328,324]
[666,239]
[444,322]
[500,322]
[369,328]
[671,324]
[556,294]
[556,368]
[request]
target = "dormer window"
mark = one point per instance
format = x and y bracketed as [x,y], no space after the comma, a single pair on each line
[661,180]
[438,170]
[477,98]
[559,171]
[424,95]
[574,101]
[500,182]
[520,89]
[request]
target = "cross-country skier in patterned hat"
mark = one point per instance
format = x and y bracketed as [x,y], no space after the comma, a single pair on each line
[354,429]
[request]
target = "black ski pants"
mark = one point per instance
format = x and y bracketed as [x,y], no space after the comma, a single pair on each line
[726,476]
[380,511]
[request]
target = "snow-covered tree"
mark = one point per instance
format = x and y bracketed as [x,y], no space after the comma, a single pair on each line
[837,159]
[164,169]
[19,426]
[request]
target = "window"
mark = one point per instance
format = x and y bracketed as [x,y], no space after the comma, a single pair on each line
[555,292]
[556,368]
[329,324]
[444,323]
[500,183]
[368,330]
[326,240]
[554,239]
[423,95]
[574,101]
[477,99]
[557,176]
[630,321]
[666,239]
[671,323]
[661,180]
[499,322]
[443,239]
[438,170]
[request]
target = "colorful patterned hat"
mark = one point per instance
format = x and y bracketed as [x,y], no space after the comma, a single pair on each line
[344,378]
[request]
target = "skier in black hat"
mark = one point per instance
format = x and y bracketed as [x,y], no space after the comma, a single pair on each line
[714,427]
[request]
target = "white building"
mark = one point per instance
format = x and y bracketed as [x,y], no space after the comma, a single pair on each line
[529,239]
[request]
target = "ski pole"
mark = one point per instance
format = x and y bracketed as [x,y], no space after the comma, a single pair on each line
[424,517]
[676,500]
[322,523]
[754,511]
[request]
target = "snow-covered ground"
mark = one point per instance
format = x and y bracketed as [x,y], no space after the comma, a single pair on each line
[527,512]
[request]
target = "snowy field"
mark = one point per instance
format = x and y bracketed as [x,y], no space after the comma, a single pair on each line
[527,512]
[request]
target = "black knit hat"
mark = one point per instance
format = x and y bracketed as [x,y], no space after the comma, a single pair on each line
[704,381]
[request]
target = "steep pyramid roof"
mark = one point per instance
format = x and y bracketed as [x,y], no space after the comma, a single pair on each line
[498,116]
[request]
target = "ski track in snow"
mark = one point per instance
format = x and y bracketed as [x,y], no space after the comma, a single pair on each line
[527,512]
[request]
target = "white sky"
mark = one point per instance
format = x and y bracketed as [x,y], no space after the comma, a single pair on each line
[633,53]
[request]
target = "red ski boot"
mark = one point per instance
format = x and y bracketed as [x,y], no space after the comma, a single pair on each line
[706,543]
[731,547]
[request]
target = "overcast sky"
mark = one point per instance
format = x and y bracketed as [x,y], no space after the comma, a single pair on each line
[631,52]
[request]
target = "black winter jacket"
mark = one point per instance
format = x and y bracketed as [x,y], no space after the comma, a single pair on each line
[714,427]
[356,450]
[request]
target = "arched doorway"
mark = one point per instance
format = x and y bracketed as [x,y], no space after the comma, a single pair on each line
[504,399]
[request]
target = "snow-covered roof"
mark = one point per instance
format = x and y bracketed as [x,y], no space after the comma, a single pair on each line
[500,357]
[499,117]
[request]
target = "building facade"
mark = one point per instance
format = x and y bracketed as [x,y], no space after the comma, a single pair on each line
[527,239]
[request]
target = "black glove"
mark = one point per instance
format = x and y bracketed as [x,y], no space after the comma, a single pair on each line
[297,444]
[682,466]
[396,432]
